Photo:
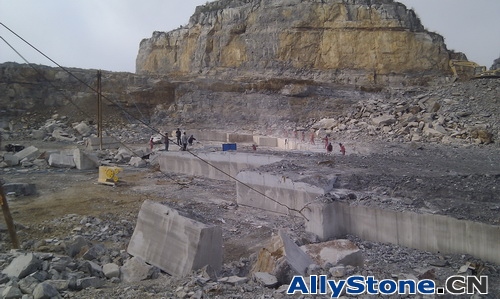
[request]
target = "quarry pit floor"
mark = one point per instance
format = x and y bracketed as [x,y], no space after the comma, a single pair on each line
[459,181]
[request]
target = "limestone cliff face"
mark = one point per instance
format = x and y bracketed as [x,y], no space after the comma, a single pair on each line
[375,41]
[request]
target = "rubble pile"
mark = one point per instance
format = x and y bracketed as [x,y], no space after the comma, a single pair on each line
[461,113]
[82,266]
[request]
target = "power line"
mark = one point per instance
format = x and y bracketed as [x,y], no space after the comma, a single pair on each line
[141,121]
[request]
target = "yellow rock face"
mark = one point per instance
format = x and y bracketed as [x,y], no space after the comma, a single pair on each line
[330,39]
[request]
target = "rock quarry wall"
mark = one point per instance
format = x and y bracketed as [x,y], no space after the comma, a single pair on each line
[346,41]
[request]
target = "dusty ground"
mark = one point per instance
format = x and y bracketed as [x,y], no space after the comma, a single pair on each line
[457,181]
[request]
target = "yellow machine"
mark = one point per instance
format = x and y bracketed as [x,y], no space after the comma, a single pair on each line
[466,70]
[108,175]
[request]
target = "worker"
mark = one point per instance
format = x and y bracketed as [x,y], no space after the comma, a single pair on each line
[166,141]
[329,148]
[151,143]
[184,140]
[342,149]
[178,135]
[326,141]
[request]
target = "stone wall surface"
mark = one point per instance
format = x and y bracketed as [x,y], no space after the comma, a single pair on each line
[435,233]
[229,162]
[371,41]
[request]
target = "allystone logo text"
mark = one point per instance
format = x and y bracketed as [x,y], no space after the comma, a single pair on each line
[357,285]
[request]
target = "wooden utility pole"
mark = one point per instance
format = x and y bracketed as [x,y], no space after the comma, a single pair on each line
[8,219]
[99,109]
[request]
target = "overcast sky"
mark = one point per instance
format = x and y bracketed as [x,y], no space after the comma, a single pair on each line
[105,34]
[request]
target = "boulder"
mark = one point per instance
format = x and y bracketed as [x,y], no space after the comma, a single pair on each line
[137,162]
[111,270]
[265,279]
[134,270]
[83,129]
[282,258]
[89,282]
[23,265]
[61,135]
[383,120]
[10,159]
[76,246]
[335,252]
[11,292]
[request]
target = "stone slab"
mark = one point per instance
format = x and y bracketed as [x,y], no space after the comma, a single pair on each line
[173,243]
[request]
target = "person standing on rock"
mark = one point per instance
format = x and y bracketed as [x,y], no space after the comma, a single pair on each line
[312,138]
[326,141]
[342,149]
[178,135]
[329,148]
[151,143]
[184,141]
[166,141]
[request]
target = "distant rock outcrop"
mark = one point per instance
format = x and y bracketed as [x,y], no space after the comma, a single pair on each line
[344,41]
[496,64]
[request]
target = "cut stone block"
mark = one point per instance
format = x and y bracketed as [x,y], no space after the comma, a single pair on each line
[229,162]
[173,243]
[335,252]
[85,161]
[29,153]
[93,143]
[61,161]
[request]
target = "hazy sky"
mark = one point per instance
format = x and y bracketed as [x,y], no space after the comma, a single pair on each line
[105,34]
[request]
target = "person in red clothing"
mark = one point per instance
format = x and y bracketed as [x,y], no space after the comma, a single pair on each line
[326,141]
[151,143]
[342,149]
